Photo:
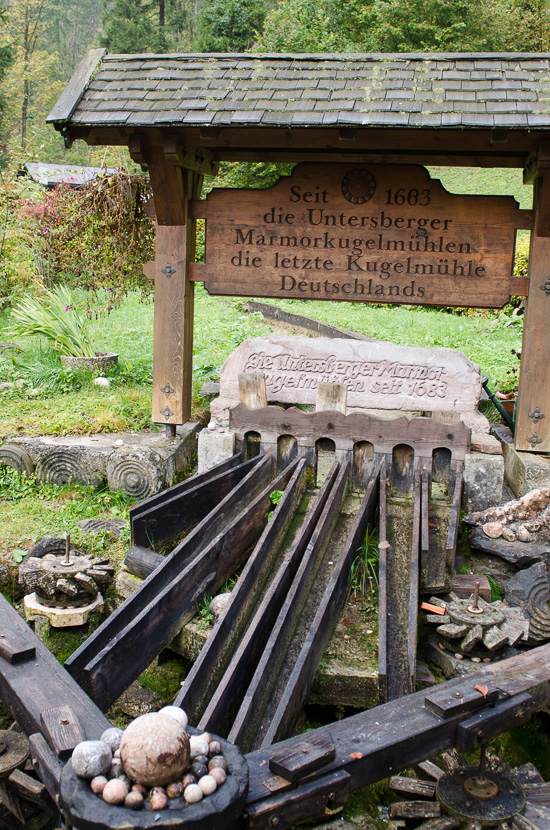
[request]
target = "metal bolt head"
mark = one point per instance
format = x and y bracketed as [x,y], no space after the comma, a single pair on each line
[274,821]
[457,694]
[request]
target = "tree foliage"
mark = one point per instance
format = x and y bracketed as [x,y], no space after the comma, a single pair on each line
[229,25]
[133,26]
[303,26]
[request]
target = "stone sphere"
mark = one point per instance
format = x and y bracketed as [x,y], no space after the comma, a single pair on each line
[154,749]
[112,736]
[176,713]
[115,791]
[218,761]
[158,799]
[207,784]
[193,793]
[197,746]
[134,800]
[218,774]
[91,758]
[98,784]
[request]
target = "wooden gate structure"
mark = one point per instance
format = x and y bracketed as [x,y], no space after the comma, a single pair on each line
[363,125]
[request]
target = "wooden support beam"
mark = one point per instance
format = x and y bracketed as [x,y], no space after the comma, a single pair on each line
[29,688]
[162,520]
[225,702]
[299,683]
[331,397]
[252,390]
[259,474]
[216,654]
[174,292]
[532,431]
[252,721]
[382,741]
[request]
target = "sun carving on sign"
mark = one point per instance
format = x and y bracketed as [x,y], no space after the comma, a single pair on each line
[358,186]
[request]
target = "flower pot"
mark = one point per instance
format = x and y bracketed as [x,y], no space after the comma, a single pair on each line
[508,405]
[102,362]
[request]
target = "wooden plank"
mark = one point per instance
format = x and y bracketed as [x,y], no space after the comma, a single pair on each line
[412,786]
[16,649]
[222,708]
[71,95]
[454,519]
[142,561]
[463,250]
[464,585]
[29,688]
[382,741]
[307,801]
[215,655]
[27,787]
[424,520]
[175,562]
[537,793]
[383,546]
[484,726]
[177,489]
[303,759]
[252,391]
[429,770]
[46,763]
[62,730]
[331,397]
[250,723]
[162,524]
[424,434]
[445,705]
[532,433]
[412,633]
[299,682]
[415,809]
[112,670]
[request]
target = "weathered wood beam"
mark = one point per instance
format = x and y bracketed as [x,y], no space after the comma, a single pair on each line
[382,741]
[201,536]
[30,687]
[111,671]
[159,521]
[220,713]
[299,683]
[532,431]
[216,654]
[251,723]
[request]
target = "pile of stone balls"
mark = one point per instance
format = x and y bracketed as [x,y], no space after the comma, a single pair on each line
[151,762]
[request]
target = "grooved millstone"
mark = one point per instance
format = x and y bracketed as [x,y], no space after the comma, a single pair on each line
[138,472]
[508,802]
[16,457]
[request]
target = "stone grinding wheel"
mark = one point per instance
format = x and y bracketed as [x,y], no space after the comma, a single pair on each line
[489,798]
[86,811]
[14,751]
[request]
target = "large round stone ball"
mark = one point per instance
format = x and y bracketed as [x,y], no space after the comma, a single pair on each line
[154,750]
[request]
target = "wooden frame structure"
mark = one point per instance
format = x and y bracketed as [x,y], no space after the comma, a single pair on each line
[180,115]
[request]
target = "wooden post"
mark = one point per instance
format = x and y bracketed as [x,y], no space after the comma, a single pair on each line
[174,292]
[533,405]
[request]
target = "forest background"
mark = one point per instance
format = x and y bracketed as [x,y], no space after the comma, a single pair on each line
[42,41]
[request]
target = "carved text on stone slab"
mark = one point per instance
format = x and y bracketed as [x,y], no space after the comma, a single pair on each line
[384,377]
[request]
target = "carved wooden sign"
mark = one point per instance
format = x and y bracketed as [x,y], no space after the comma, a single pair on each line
[362,233]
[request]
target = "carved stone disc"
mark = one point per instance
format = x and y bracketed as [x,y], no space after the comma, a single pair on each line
[454,793]
[15,753]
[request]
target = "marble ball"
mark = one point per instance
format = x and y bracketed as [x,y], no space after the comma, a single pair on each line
[91,758]
[176,713]
[115,791]
[154,749]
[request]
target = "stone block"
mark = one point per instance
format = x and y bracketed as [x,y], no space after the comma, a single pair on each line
[524,471]
[378,374]
[214,447]
[93,459]
[483,481]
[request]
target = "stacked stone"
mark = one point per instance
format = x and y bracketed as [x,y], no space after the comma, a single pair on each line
[153,764]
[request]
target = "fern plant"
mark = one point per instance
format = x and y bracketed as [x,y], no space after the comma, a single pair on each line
[52,315]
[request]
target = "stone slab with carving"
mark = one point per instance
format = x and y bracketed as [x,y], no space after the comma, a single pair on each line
[378,374]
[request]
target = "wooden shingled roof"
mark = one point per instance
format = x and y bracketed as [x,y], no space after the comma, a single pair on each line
[483,91]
